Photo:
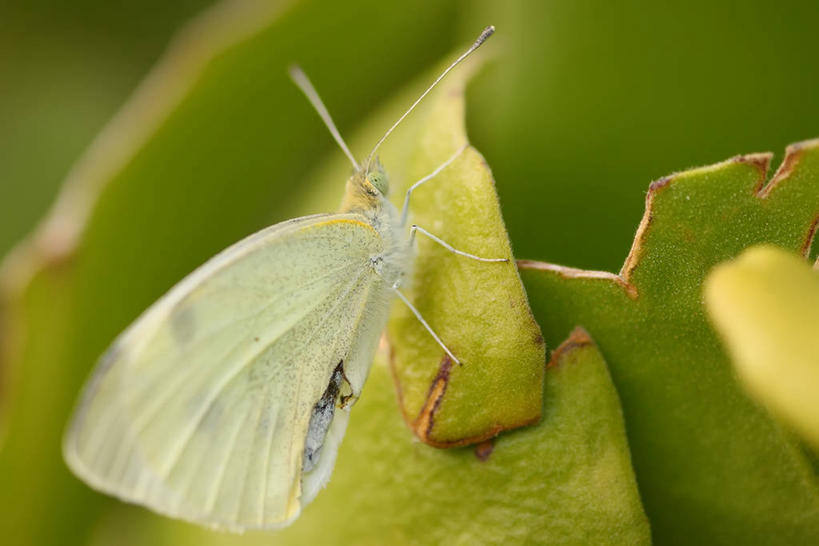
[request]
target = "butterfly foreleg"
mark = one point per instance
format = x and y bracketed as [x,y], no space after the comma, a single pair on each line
[417,229]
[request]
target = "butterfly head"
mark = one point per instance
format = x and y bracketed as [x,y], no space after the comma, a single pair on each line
[366,189]
[378,179]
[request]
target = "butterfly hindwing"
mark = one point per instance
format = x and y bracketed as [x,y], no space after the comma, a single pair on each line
[200,409]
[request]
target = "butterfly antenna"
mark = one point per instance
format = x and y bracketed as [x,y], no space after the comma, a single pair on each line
[303,82]
[487,32]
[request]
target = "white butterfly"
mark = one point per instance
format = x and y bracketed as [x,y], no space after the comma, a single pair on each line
[225,402]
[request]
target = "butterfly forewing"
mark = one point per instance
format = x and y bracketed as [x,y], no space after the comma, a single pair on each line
[200,409]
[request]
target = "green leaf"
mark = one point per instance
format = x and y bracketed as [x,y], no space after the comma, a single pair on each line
[567,480]
[479,309]
[712,467]
[765,305]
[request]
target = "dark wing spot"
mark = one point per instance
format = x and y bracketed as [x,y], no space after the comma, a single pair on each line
[320,420]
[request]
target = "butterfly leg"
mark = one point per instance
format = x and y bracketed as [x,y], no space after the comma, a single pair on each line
[441,167]
[449,247]
[424,323]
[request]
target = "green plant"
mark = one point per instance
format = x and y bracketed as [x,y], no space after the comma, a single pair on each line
[219,144]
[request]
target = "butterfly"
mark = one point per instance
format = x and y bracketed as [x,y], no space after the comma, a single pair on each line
[226,401]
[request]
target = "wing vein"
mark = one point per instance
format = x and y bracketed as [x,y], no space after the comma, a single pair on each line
[217,392]
[350,287]
[208,390]
[182,378]
[163,397]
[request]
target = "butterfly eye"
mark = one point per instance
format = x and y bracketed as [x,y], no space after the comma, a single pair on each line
[380,181]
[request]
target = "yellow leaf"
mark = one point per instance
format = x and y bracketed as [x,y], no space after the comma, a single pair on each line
[765,305]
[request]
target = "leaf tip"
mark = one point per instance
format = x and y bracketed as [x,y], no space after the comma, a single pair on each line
[577,339]
[760,161]
[793,155]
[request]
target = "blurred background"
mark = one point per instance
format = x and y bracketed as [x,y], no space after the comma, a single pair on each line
[587,103]
[583,105]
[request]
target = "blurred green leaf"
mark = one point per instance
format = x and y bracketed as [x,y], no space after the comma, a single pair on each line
[765,305]
[712,467]
[65,68]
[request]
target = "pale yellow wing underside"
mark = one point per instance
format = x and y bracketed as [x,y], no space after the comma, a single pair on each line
[200,409]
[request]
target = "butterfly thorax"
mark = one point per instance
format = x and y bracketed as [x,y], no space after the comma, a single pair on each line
[366,194]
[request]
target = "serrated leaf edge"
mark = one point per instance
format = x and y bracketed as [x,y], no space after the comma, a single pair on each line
[762,190]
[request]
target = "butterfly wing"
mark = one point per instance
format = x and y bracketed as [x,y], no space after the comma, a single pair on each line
[200,409]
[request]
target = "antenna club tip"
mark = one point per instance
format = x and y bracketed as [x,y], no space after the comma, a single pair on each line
[487,32]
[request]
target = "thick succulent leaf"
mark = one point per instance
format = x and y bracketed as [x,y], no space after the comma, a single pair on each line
[712,467]
[479,309]
[566,480]
[765,305]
